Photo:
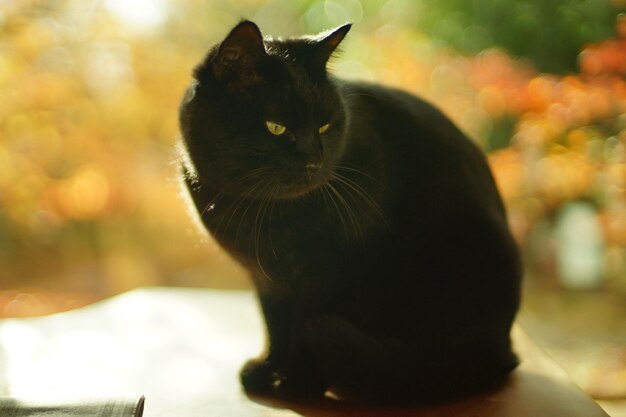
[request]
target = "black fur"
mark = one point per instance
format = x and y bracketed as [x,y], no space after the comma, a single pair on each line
[380,250]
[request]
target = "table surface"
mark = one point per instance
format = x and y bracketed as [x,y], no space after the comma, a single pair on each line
[182,349]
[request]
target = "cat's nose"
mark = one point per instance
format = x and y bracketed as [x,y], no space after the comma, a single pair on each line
[312,168]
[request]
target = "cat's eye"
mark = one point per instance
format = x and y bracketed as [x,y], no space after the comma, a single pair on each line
[323,129]
[275,128]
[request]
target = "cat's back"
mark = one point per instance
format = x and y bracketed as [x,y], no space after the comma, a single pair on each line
[407,121]
[419,148]
[395,107]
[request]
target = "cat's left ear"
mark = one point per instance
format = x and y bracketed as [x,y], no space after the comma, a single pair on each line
[239,54]
[327,42]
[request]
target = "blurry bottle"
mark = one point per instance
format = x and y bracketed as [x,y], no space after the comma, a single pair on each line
[580,246]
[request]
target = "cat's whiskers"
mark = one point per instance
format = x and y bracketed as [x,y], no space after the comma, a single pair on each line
[238,181]
[250,198]
[347,166]
[258,222]
[354,220]
[238,201]
[325,188]
[263,193]
[233,208]
[342,206]
[355,188]
[273,198]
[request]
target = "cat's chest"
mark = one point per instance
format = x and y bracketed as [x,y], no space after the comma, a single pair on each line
[244,223]
[287,233]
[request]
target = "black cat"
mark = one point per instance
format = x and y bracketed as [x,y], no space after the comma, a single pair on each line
[371,226]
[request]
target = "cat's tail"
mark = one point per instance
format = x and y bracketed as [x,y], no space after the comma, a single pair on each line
[362,366]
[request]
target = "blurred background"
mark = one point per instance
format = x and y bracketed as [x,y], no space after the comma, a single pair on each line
[89,199]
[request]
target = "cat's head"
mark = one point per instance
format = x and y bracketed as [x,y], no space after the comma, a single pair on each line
[262,116]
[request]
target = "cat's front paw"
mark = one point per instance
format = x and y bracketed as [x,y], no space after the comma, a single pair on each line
[257,376]
[296,386]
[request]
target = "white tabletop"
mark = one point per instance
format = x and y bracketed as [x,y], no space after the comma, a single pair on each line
[182,349]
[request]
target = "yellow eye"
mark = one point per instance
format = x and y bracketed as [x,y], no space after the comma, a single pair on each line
[324,129]
[275,128]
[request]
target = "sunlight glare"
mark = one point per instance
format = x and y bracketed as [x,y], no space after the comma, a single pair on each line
[139,14]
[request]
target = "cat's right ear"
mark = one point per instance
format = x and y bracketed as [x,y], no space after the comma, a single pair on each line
[327,42]
[239,53]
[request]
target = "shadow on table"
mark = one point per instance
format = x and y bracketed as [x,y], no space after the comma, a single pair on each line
[524,394]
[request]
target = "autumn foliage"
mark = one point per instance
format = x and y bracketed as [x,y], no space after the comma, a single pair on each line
[88,190]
